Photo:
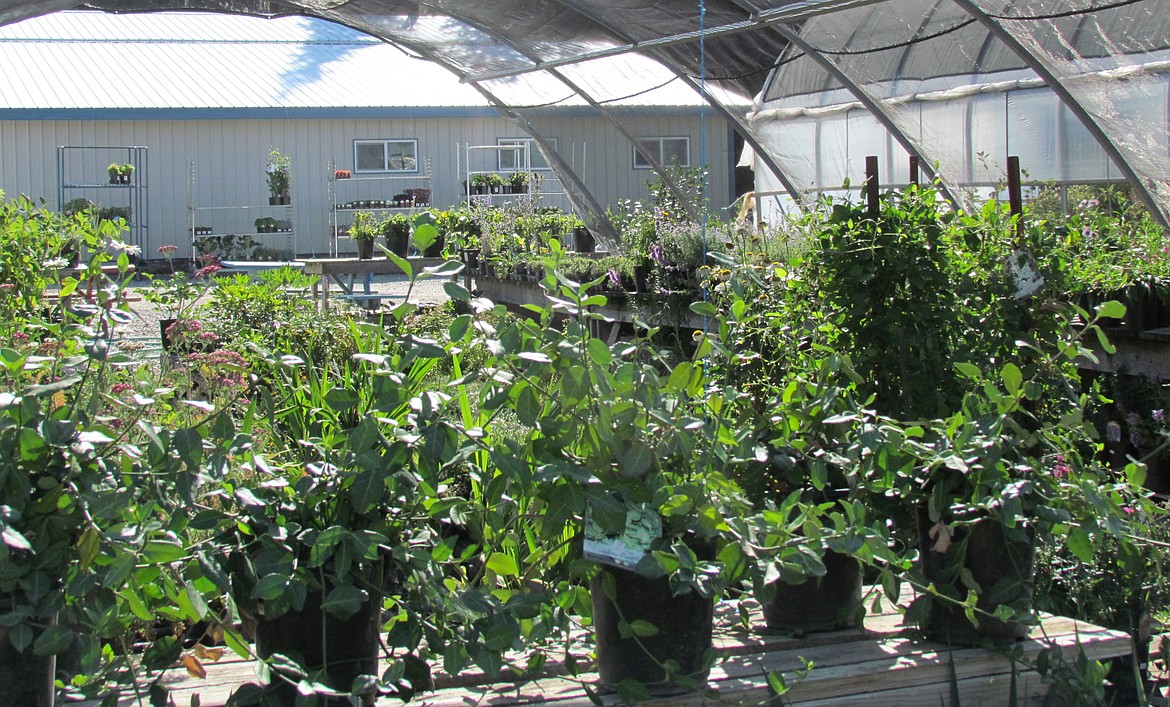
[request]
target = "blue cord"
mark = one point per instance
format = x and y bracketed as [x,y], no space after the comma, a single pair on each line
[703,138]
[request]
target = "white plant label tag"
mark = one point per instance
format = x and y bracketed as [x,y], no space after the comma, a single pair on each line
[1023,271]
[643,525]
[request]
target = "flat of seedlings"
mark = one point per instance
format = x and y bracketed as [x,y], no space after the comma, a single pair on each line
[884,664]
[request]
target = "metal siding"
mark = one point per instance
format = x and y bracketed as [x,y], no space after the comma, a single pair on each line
[231,156]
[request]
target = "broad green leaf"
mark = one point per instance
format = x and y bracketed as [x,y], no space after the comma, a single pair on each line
[1111,310]
[1012,378]
[163,552]
[456,291]
[704,309]
[344,601]
[599,352]
[56,639]
[1081,545]
[503,565]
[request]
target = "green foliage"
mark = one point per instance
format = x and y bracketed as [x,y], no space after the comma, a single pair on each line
[269,311]
[279,171]
[365,226]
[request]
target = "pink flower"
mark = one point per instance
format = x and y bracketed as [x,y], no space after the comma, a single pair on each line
[208,270]
[168,250]
[119,388]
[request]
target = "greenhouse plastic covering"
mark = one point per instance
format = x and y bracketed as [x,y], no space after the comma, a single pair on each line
[1076,88]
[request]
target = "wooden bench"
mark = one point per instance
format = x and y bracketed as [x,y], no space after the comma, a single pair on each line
[884,664]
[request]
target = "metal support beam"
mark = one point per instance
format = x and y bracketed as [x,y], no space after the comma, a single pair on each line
[749,138]
[579,195]
[877,107]
[1048,74]
[744,130]
[793,12]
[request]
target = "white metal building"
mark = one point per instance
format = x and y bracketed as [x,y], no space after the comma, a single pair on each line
[220,91]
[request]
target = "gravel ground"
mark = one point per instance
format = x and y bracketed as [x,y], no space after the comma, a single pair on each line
[143,325]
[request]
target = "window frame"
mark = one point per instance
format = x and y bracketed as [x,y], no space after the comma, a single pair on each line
[655,144]
[533,153]
[386,142]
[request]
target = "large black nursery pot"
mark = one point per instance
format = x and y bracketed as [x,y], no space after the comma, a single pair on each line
[1001,566]
[399,243]
[683,622]
[346,648]
[26,679]
[365,248]
[583,240]
[827,603]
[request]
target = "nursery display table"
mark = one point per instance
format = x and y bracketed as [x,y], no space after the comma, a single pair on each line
[884,664]
[654,309]
[344,272]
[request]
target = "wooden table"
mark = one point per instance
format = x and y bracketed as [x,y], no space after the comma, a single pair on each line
[884,664]
[345,272]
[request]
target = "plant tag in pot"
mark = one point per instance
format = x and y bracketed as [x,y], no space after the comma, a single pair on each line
[1022,269]
[643,526]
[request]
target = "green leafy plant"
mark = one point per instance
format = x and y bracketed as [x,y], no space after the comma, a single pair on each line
[365,226]
[279,171]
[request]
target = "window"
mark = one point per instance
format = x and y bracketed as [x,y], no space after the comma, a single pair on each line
[385,155]
[513,160]
[667,150]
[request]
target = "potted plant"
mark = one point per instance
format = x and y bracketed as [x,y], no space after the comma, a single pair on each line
[631,452]
[265,224]
[519,182]
[364,232]
[396,229]
[314,547]
[480,183]
[65,492]
[279,175]
[120,172]
[425,235]
[495,183]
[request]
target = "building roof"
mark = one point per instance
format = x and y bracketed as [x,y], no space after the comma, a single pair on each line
[171,60]
[173,63]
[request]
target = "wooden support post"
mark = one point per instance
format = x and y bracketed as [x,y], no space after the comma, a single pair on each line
[1015,194]
[914,170]
[871,186]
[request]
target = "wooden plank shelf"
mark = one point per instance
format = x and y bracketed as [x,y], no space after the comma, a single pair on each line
[885,663]
[653,309]
[1145,353]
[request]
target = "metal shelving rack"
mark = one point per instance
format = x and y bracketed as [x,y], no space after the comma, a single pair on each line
[522,160]
[82,168]
[221,213]
[370,184]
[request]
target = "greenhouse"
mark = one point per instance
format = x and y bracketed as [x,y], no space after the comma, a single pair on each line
[805,353]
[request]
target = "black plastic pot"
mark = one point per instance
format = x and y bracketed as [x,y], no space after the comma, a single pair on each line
[583,240]
[435,250]
[642,277]
[398,242]
[26,679]
[163,325]
[345,648]
[365,248]
[683,623]
[825,603]
[1002,567]
[470,258]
